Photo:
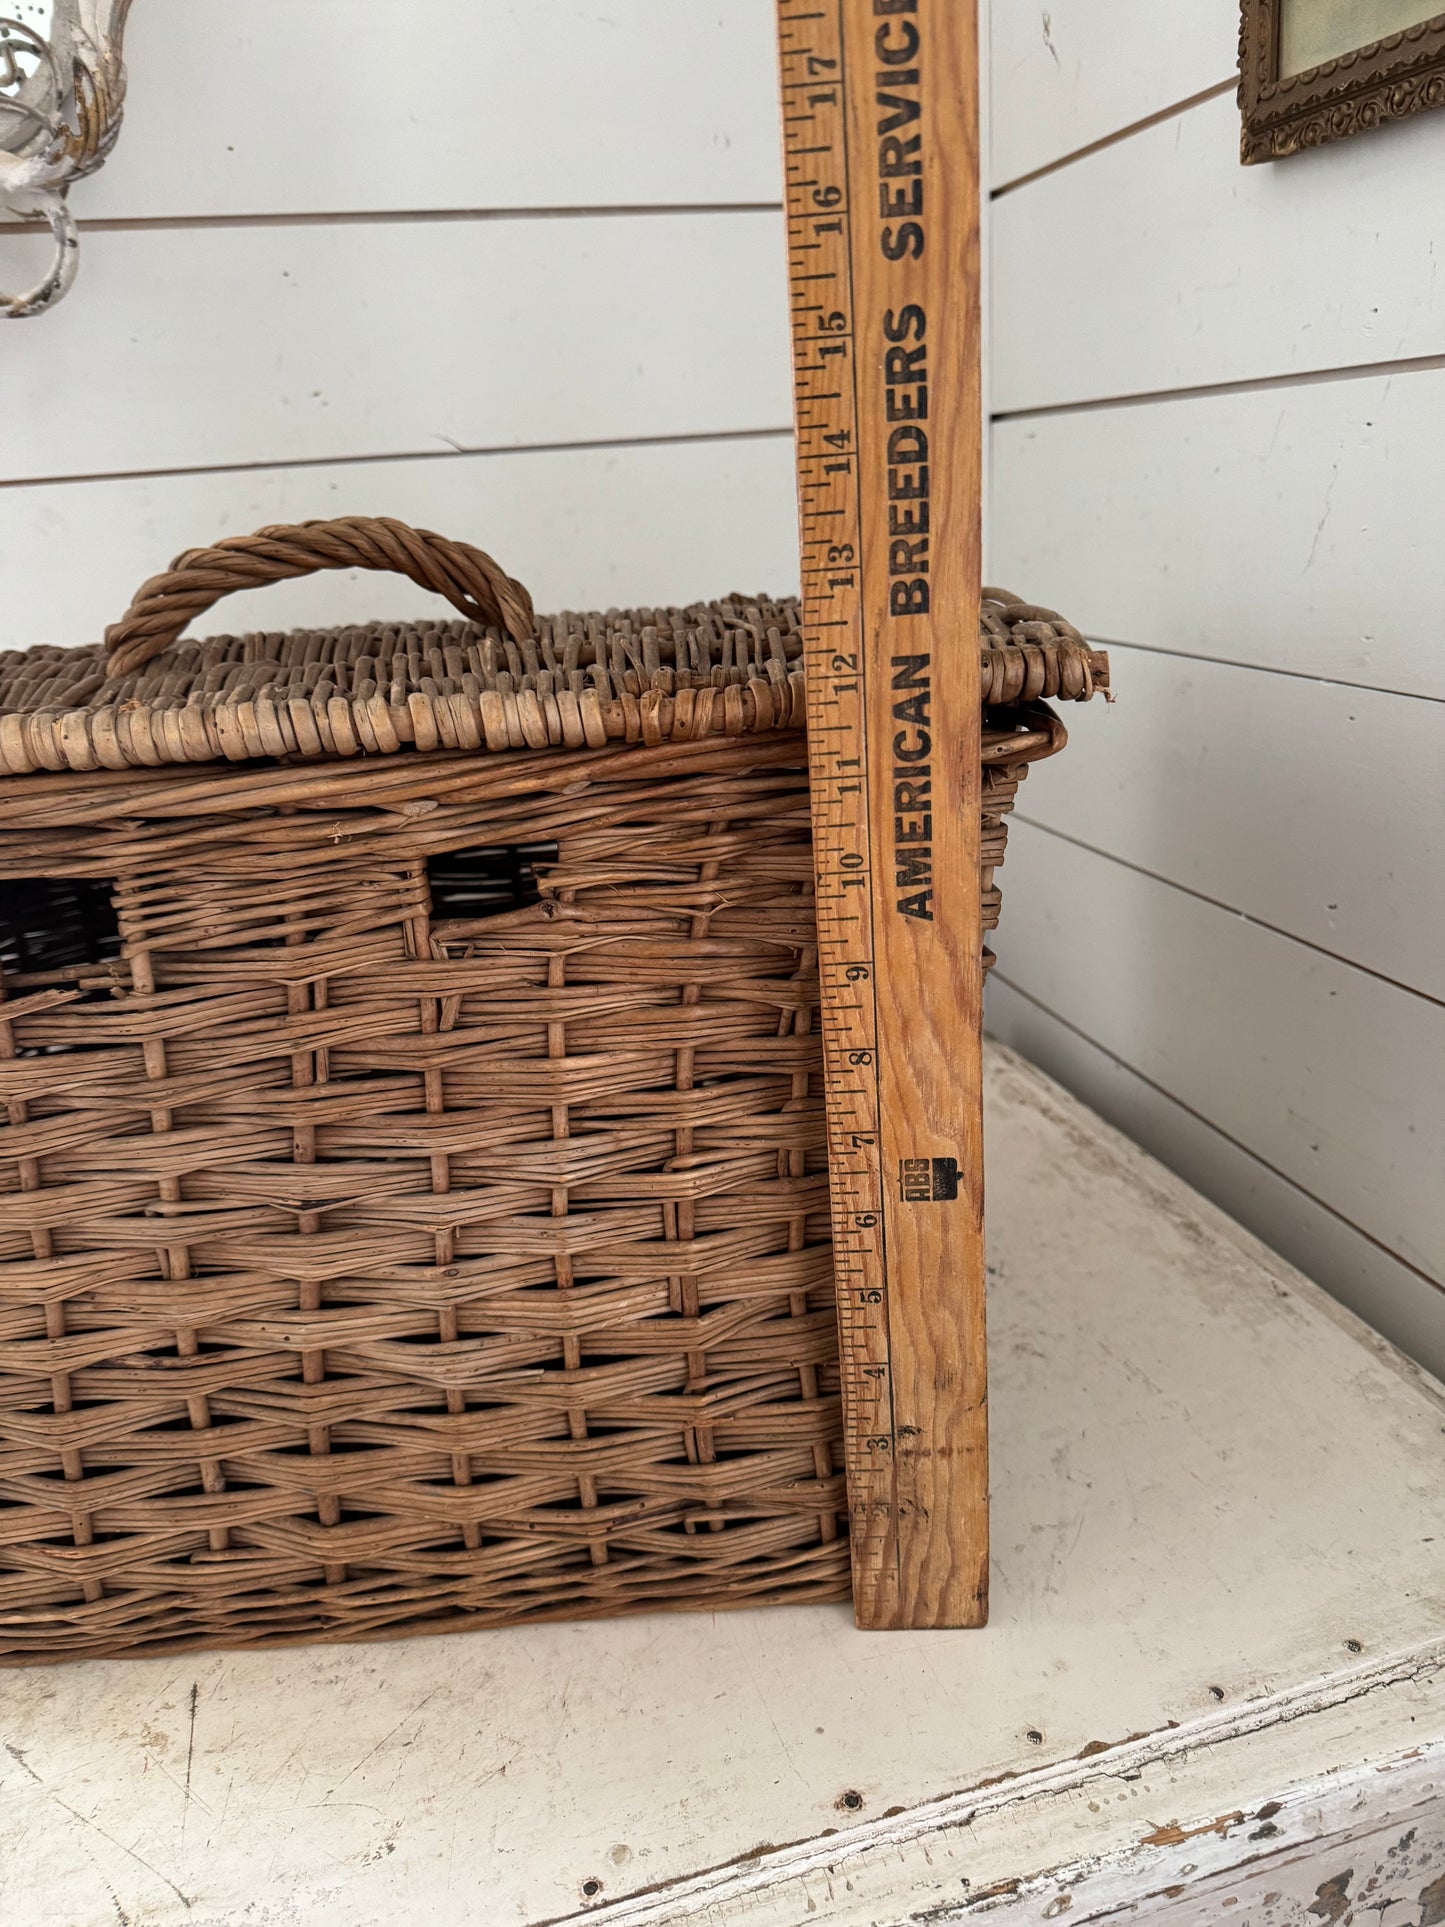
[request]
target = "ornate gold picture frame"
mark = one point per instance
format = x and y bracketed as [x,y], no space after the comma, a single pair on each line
[1399,73]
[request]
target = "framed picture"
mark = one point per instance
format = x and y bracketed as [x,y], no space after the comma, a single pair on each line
[1315,70]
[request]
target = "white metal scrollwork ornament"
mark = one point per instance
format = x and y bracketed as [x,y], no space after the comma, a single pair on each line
[62,87]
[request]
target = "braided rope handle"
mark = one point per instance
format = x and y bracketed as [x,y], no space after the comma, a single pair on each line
[472,582]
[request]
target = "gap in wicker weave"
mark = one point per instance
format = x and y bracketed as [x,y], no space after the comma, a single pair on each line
[486,882]
[56,923]
[1009,721]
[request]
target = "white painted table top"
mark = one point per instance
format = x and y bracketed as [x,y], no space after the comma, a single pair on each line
[1219,1531]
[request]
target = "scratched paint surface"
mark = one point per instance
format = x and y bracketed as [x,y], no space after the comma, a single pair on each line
[1208,1482]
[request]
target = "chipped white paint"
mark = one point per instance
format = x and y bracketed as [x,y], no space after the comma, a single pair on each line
[62,88]
[1085,1839]
[1209,1482]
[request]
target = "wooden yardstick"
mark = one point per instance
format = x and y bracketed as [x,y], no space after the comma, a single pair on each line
[881,150]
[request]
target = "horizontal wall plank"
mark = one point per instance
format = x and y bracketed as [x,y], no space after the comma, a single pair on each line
[1160,263]
[1065,77]
[590,528]
[1328,1075]
[1408,1310]
[265,107]
[1296,528]
[1314,808]
[203,346]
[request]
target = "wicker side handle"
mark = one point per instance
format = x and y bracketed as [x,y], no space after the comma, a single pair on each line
[471,581]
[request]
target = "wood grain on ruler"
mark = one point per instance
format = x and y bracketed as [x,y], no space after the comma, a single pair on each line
[880,136]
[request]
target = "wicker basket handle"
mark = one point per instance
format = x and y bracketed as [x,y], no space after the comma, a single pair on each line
[471,581]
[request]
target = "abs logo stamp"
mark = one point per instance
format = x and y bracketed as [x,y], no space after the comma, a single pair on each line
[928,1180]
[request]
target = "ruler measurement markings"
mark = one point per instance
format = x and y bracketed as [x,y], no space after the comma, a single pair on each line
[865,1331]
[900,1433]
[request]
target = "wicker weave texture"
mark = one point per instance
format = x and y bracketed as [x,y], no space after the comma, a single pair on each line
[415,1206]
[413,1199]
[502,679]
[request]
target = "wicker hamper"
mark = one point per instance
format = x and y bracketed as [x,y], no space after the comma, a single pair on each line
[414,1201]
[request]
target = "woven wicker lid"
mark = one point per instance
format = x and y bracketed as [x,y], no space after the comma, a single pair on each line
[499,678]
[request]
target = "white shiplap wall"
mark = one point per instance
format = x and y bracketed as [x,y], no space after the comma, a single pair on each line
[509,268]
[1218,401]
